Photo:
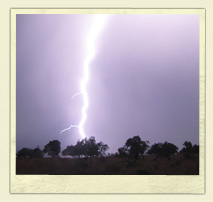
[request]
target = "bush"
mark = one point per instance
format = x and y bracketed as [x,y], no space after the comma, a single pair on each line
[133,149]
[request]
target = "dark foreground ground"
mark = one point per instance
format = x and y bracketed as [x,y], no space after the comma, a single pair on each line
[178,165]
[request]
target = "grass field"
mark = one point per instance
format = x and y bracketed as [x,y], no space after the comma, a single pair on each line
[177,165]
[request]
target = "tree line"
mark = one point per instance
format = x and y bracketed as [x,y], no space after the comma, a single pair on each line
[133,149]
[83,148]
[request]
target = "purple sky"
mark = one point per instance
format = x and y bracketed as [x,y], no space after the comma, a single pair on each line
[144,79]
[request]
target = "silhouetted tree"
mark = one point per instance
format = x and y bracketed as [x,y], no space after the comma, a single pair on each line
[29,153]
[133,148]
[76,151]
[53,148]
[69,151]
[123,153]
[86,148]
[79,149]
[37,153]
[195,149]
[188,150]
[90,147]
[24,153]
[102,148]
[163,150]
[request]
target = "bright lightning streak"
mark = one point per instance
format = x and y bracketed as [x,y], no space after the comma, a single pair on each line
[72,126]
[97,26]
[75,95]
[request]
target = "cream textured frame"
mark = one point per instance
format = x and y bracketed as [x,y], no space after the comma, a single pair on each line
[108,184]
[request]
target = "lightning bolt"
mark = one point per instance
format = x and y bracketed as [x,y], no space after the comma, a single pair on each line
[75,95]
[96,27]
[72,126]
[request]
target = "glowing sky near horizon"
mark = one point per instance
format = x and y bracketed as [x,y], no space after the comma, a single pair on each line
[143,79]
